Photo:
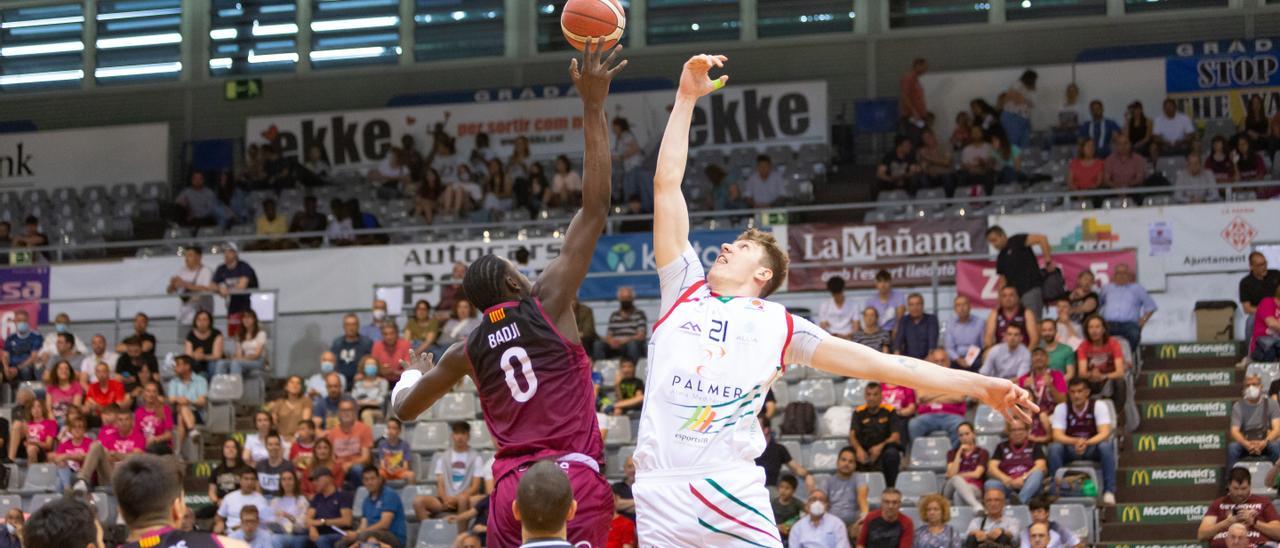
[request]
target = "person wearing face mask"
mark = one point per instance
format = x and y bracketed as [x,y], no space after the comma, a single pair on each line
[49,350]
[373,329]
[370,391]
[22,350]
[818,529]
[628,329]
[315,383]
[11,534]
[348,349]
[1255,425]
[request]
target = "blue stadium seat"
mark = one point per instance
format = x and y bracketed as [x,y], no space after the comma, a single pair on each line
[929,453]
[915,484]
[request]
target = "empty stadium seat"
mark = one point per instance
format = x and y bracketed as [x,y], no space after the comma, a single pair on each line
[480,438]
[10,501]
[1075,518]
[40,478]
[875,485]
[155,190]
[820,392]
[821,455]
[915,484]
[1267,371]
[961,516]
[436,533]
[893,196]
[616,459]
[429,436]
[851,392]
[409,492]
[455,406]
[38,501]
[1258,471]
[608,370]
[988,421]
[781,394]
[795,374]
[226,388]
[988,442]
[929,453]
[835,421]
[619,431]
[1021,513]
[357,502]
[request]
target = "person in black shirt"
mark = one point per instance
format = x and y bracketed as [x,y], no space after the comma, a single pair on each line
[1016,265]
[231,276]
[63,522]
[1258,284]
[775,455]
[876,435]
[149,491]
[630,396]
[140,323]
[899,169]
[624,502]
[130,364]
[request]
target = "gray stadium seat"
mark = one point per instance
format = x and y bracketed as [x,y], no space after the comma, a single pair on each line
[988,442]
[357,502]
[608,370]
[615,460]
[988,421]
[875,485]
[795,374]
[1257,470]
[1021,513]
[913,513]
[40,478]
[429,436]
[124,192]
[820,392]
[851,392]
[892,196]
[105,505]
[821,455]
[480,438]
[436,533]
[226,388]
[1267,371]
[38,501]
[619,431]
[455,406]
[781,393]
[929,453]
[793,447]
[915,484]
[155,190]
[1075,518]
[466,385]
[10,501]
[961,516]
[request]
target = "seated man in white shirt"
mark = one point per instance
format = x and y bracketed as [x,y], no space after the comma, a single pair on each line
[228,518]
[1171,132]
[816,528]
[101,354]
[764,187]
[1009,360]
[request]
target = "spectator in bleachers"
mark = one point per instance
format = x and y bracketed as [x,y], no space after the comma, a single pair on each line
[329,511]
[1137,127]
[389,352]
[1195,184]
[912,111]
[918,332]
[1173,132]
[22,350]
[458,474]
[62,390]
[309,220]
[876,435]
[1018,106]
[1009,360]
[964,336]
[1082,431]
[628,329]
[255,444]
[1240,506]
[1264,339]
[538,189]
[340,227]
[11,533]
[938,412]
[49,348]
[36,433]
[100,354]
[290,511]
[1037,536]
[324,412]
[899,169]
[1048,386]
[786,507]
[870,333]
[1072,113]
[847,491]
[64,350]
[1249,165]
[378,317]
[198,202]
[71,452]
[1126,306]
[994,526]
[317,165]
[104,392]
[586,319]
[903,400]
[773,458]
[960,135]
[566,185]
[984,115]
[230,208]
[349,349]
[303,446]
[1100,129]
[316,382]
[886,526]
[1082,300]
[352,442]
[1058,535]
[889,303]
[422,328]
[1101,360]
[1219,160]
[817,528]
[765,185]
[225,477]
[629,155]
[269,470]
[1017,267]
[1257,126]
[462,321]
[966,466]
[140,323]
[630,389]
[1061,358]
[381,511]
[1124,168]
[838,314]
[1238,536]
[499,194]
[1260,283]
[234,275]
[113,446]
[63,522]
[204,343]
[371,389]
[153,417]
[391,174]
[937,163]
[451,291]
[251,530]
[228,516]
[31,237]
[1018,465]
[427,196]
[624,501]
[1084,172]
[1255,425]
[1008,157]
[321,456]
[189,395]
[936,531]
[291,409]
[391,454]
[726,192]
[250,355]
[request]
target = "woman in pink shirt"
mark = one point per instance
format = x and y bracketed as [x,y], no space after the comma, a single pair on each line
[62,391]
[966,466]
[1085,170]
[37,434]
[153,417]
[70,453]
[1265,342]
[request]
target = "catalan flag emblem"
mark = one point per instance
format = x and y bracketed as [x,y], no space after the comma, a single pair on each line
[498,315]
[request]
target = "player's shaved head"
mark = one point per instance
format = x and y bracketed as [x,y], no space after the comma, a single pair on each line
[544,500]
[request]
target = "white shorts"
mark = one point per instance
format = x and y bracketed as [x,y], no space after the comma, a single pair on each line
[701,510]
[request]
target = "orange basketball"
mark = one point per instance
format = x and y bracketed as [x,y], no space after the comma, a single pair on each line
[583,20]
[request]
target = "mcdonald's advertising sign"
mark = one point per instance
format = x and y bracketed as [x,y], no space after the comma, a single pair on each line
[1148,443]
[1175,379]
[1156,545]
[1197,350]
[1143,477]
[1161,513]
[1199,409]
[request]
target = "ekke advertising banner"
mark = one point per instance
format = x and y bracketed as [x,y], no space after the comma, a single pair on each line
[760,115]
[84,157]
[623,253]
[875,242]
[977,279]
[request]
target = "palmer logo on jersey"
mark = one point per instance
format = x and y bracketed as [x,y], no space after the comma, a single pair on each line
[711,419]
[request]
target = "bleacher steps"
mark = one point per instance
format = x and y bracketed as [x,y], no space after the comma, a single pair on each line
[1160,483]
[1153,521]
[1221,382]
[1165,415]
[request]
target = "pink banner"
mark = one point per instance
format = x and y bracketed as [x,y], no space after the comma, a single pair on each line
[977,279]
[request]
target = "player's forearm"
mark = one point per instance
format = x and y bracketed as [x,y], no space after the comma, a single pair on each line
[674,153]
[597,163]
[849,359]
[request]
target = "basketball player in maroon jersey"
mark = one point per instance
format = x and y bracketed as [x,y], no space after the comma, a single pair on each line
[526,358]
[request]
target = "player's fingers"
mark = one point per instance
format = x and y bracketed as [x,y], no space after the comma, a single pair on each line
[613,54]
[722,58]
[573,68]
[715,60]
[618,68]
[721,82]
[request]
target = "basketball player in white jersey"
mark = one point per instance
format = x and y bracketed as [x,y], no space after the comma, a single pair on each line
[715,352]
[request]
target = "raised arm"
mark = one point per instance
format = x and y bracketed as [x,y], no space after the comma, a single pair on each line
[670,213]
[423,384]
[558,284]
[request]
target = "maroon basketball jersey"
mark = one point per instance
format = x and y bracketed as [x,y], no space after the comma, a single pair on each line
[535,387]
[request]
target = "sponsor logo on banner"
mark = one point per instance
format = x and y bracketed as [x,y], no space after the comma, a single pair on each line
[1162,513]
[1173,476]
[1191,378]
[1198,350]
[1219,83]
[1239,234]
[1180,442]
[1089,235]
[633,253]
[83,157]
[22,289]
[783,113]
[831,243]
[1186,409]
[977,279]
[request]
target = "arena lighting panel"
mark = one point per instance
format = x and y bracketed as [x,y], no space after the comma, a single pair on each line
[223,34]
[255,58]
[274,30]
[41,77]
[138,13]
[220,63]
[350,53]
[42,22]
[41,49]
[140,41]
[337,25]
[137,70]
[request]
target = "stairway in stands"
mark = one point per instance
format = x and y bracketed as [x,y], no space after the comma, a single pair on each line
[1172,467]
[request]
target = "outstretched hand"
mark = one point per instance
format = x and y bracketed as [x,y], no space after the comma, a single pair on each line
[695,81]
[593,75]
[1011,401]
[418,362]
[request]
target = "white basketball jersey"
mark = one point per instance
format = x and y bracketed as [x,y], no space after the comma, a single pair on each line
[712,360]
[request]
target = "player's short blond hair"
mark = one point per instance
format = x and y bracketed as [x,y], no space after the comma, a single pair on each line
[774,258]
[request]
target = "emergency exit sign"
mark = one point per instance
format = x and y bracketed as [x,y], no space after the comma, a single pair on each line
[243,89]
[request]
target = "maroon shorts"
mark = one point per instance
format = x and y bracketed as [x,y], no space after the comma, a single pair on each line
[590,525]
